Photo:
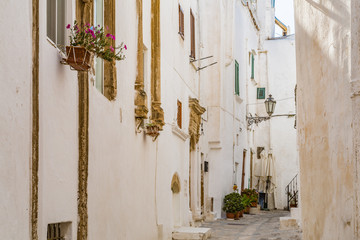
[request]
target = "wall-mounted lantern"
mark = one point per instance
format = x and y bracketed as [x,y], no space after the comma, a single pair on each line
[270,104]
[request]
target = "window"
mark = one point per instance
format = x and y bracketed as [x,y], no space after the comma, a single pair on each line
[179,114]
[259,150]
[260,93]
[99,62]
[237,87]
[59,231]
[181,22]
[192,29]
[55,21]
[252,66]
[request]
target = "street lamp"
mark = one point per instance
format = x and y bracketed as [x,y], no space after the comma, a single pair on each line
[270,104]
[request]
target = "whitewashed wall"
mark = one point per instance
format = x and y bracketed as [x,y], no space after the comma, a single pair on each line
[282,81]
[15,119]
[325,115]
[225,125]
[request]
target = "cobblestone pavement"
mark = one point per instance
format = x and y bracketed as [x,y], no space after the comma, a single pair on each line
[262,226]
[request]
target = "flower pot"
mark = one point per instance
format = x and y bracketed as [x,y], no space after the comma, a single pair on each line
[237,215]
[241,213]
[152,130]
[254,204]
[293,205]
[230,215]
[78,58]
[247,210]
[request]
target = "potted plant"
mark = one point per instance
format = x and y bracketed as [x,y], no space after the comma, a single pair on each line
[246,202]
[87,41]
[232,205]
[253,194]
[293,199]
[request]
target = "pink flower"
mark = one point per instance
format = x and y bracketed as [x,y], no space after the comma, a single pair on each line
[112,49]
[87,24]
[68,26]
[110,36]
[125,47]
[91,32]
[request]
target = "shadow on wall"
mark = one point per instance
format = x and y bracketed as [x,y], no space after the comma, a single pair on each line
[339,17]
[324,160]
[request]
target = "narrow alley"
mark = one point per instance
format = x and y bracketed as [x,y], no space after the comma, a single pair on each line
[262,226]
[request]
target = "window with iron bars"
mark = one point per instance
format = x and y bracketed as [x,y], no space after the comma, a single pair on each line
[59,231]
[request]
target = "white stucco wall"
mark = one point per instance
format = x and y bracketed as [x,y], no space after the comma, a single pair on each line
[325,119]
[129,182]
[225,126]
[15,119]
[282,82]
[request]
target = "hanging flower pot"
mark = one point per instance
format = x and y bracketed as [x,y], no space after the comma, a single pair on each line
[78,58]
[87,41]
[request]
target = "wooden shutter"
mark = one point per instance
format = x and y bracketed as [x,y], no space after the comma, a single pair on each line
[192,29]
[181,22]
[252,66]
[237,87]
[179,114]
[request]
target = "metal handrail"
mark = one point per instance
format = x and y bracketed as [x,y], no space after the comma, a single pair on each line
[292,191]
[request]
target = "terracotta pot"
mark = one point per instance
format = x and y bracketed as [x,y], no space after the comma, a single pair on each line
[237,215]
[78,58]
[230,215]
[247,210]
[293,205]
[241,213]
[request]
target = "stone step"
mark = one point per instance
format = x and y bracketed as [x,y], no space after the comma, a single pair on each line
[288,223]
[295,213]
[191,233]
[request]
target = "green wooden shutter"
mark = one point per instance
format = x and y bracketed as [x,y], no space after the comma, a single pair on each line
[252,66]
[237,87]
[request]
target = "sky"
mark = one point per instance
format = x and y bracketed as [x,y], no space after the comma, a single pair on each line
[284,11]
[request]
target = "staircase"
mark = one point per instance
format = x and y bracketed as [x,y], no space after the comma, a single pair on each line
[292,193]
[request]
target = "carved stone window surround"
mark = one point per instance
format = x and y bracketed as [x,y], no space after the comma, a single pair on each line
[195,121]
[179,132]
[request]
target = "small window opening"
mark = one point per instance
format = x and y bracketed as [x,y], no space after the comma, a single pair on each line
[99,62]
[192,26]
[59,231]
[181,22]
[55,22]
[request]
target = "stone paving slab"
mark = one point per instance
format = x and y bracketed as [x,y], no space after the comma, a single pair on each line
[262,226]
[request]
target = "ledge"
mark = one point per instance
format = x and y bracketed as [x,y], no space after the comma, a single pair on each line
[215,145]
[180,133]
[238,99]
